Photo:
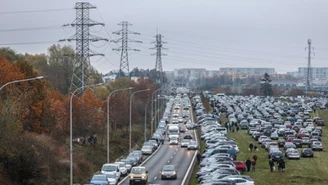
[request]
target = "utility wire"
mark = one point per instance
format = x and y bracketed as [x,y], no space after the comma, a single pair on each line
[27,43]
[32,28]
[36,11]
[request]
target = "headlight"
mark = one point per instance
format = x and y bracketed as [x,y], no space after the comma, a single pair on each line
[143,177]
[131,176]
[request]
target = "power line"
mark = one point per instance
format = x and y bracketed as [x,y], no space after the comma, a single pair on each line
[27,43]
[32,28]
[36,11]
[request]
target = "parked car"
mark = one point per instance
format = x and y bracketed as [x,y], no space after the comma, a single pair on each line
[169,172]
[281,142]
[307,152]
[316,145]
[293,154]
[274,136]
[298,143]
[276,156]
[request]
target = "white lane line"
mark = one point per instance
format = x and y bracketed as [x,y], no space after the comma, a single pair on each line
[174,153]
[125,178]
[171,157]
[168,161]
[155,178]
[193,159]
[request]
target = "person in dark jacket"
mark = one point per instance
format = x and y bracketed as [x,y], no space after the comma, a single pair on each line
[271,164]
[248,164]
[282,165]
[198,156]
[251,147]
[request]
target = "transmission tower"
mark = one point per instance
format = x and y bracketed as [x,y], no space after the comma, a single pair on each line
[82,24]
[158,66]
[124,32]
[309,69]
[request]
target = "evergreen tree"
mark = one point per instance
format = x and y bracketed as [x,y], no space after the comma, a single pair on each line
[266,87]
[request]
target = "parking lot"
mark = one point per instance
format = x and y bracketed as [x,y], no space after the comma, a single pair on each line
[292,111]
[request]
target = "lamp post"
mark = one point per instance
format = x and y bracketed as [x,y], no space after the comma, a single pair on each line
[117,90]
[22,80]
[130,128]
[152,109]
[145,122]
[71,129]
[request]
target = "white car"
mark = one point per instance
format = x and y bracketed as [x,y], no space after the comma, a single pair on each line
[241,181]
[174,141]
[111,168]
[111,178]
[122,168]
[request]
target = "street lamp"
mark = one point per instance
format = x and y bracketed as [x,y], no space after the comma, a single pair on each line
[71,129]
[145,131]
[117,90]
[152,109]
[130,131]
[22,80]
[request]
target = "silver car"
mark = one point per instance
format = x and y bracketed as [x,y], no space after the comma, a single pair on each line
[293,154]
[193,145]
[185,142]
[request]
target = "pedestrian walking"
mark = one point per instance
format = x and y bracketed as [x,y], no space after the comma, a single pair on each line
[253,164]
[237,128]
[282,165]
[198,156]
[271,164]
[248,164]
[255,157]
[255,149]
[251,147]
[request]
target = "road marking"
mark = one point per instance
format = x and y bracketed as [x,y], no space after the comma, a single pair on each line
[168,161]
[125,178]
[193,159]
[174,153]
[155,178]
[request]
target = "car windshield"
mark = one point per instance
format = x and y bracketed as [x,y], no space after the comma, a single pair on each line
[193,143]
[185,140]
[99,178]
[138,170]
[111,176]
[109,168]
[168,168]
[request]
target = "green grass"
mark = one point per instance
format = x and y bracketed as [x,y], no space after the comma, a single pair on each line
[299,172]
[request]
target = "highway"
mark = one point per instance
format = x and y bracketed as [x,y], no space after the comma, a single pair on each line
[168,154]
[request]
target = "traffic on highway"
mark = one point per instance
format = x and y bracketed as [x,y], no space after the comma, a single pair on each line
[167,156]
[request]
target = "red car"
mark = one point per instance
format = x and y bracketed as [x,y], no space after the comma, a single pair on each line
[240,166]
[320,123]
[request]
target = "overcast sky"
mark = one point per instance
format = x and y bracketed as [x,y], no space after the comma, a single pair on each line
[200,33]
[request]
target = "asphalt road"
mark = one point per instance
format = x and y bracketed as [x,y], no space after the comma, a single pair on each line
[167,154]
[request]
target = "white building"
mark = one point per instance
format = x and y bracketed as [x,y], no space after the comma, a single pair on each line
[248,71]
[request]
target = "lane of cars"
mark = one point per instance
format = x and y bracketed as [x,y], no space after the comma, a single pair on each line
[218,164]
[171,158]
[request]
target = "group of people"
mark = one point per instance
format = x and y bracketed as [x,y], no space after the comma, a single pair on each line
[231,127]
[251,147]
[281,165]
[251,162]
